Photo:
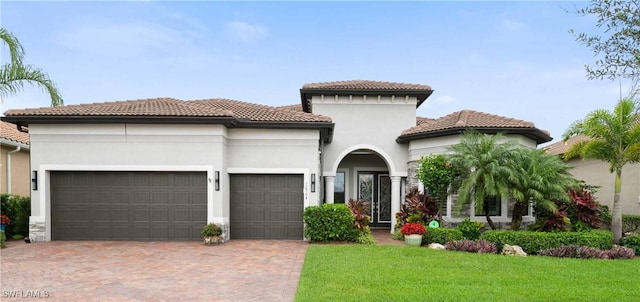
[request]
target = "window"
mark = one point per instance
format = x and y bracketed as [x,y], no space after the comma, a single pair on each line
[494,205]
[338,188]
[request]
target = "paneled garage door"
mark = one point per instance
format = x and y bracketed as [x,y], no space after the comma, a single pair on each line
[266,206]
[146,206]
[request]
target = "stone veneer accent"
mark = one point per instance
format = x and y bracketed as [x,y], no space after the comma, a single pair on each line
[37,232]
[412,180]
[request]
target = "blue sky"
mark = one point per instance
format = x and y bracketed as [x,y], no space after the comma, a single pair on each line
[514,59]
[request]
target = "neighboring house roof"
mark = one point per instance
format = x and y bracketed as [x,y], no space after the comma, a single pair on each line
[460,121]
[10,135]
[168,110]
[559,148]
[362,87]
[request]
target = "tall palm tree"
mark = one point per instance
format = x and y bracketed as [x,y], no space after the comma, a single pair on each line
[613,137]
[15,74]
[540,178]
[487,161]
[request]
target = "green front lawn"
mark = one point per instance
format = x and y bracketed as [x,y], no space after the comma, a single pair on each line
[403,273]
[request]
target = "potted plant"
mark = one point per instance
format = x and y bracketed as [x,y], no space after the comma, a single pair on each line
[212,234]
[4,221]
[413,232]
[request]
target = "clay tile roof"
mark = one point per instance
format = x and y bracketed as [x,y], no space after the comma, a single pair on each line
[365,85]
[144,107]
[260,113]
[10,132]
[559,148]
[296,108]
[469,119]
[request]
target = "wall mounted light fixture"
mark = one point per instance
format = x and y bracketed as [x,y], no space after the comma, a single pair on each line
[313,182]
[217,183]
[34,181]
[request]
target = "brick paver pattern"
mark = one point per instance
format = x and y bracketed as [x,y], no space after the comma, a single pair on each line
[239,270]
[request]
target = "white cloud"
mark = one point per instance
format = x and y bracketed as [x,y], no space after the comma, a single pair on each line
[123,40]
[445,99]
[245,32]
[511,25]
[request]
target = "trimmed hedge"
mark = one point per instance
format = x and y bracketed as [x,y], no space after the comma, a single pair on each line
[441,235]
[330,222]
[631,223]
[532,242]
[18,209]
[632,242]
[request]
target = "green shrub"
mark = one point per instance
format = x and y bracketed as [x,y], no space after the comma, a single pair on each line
[471,229]
[532,242]
[18,208]
[3,239]
[441,235]
[632,242]
[330,222]
[631,223]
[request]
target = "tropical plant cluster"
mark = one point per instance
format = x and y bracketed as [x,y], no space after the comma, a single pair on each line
[493,166]
[17,210]
[586,252]
[580,213]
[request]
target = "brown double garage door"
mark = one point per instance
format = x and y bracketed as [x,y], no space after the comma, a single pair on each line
[170,206]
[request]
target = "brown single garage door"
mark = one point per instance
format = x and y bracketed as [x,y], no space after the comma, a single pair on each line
[146,206]
[266,206]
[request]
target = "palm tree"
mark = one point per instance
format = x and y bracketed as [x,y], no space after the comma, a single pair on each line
[487,160]
[15,74]
[540,178]
[613,137]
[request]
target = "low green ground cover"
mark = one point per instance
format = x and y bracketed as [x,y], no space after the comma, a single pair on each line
[403,273]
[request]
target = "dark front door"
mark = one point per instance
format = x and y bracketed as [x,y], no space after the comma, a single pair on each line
[375,188]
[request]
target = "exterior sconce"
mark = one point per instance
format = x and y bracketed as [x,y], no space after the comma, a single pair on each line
[217,180]
[34,181]
[313,182]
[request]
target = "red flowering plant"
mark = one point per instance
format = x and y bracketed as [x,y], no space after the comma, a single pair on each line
[412,228]
[4,219]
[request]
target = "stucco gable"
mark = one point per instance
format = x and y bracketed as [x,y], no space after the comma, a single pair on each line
[363,87]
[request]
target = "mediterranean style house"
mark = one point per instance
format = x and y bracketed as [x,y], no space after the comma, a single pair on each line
[14,161]
[159,169]
[596,173]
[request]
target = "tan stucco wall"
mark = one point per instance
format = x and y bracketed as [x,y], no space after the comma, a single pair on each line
[20,181]
[596,172]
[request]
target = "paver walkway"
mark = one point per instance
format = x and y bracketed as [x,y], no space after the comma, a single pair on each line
[239,270]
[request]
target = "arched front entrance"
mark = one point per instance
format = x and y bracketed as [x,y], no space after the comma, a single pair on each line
[365,174]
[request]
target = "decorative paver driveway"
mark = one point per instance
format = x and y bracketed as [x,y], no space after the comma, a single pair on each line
[239,270]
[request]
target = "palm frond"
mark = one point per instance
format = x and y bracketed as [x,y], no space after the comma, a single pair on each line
[14,76]
[15,48]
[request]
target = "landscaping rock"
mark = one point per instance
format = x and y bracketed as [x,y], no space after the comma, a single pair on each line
[436,246]
[513,250]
